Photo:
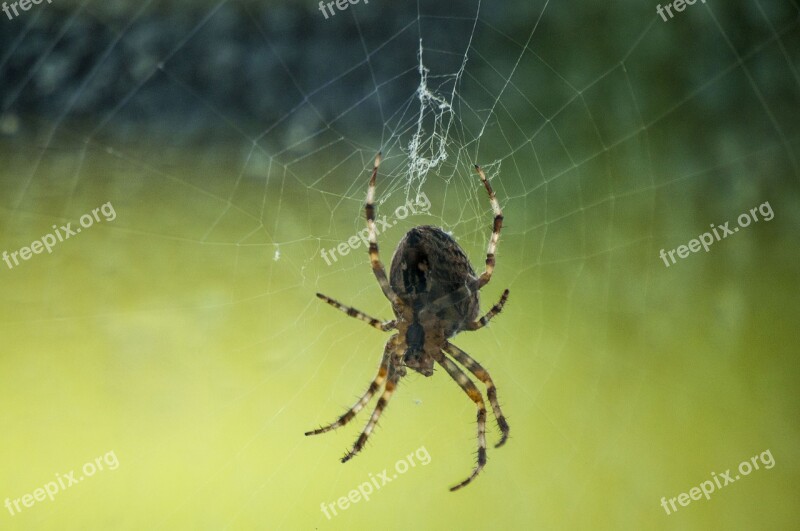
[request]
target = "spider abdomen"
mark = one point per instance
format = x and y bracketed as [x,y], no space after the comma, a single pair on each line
[428,265]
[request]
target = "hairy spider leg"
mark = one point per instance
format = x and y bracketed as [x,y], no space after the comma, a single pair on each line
[391,384]
[491,391]
[483,321]
[366,397]
[486,276]
[383,326]
[374,255]
[472,391]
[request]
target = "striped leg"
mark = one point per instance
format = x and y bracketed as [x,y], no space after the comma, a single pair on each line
[486,276]
[391,384]
[352,312]
[497,308]
[374,256]
[472,391]
[483,375]
[358,406]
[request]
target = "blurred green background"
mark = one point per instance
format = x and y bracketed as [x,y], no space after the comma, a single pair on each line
[234,140]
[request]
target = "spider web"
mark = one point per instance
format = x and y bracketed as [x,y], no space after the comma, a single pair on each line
[235,140]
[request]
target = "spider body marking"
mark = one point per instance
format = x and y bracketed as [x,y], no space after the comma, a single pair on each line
[428,265]
[433,291]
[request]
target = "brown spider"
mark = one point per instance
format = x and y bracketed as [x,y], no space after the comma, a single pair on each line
[434,294]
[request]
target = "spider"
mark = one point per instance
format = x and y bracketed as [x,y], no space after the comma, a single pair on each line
[434,295]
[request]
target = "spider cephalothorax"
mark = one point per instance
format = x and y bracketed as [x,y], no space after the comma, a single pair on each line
[434,294]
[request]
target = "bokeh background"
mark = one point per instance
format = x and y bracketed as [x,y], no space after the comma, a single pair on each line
[234,140]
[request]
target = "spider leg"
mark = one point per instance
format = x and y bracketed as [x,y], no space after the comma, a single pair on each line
[483,321]
[486,276]
[352,312]
[365,398]
[472,391]
[391,384]
[491,391]
[374,256]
